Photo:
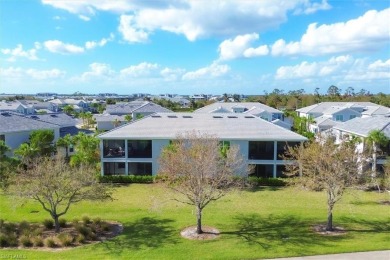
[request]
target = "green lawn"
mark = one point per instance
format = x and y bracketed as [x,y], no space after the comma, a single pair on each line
[264,223]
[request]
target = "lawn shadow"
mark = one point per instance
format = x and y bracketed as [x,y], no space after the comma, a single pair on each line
[144,233]
[275,231]
[368,225]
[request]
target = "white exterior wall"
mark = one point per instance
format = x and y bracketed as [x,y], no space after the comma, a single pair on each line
[107,125]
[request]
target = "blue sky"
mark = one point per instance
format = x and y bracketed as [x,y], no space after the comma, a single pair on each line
[198,46]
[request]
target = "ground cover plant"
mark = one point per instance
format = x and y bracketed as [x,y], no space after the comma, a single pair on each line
[257,223]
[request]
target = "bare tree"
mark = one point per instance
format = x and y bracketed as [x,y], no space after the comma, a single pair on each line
[326,166]
[57,186]
[197,167]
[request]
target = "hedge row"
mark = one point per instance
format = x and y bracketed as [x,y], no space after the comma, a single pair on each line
[254,181]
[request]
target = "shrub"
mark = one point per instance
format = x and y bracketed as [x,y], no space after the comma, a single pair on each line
[65,239]
[37,231]
[105,226]
[8,239]
[80,239]
[50,242]
[38,241]
[127,179]
[9,228]
[48,223]
[24,225]
[86,220]
[25,241]
[97,221]
[259,181]
[1,223]
[75,222]
[62,222]
[83,230]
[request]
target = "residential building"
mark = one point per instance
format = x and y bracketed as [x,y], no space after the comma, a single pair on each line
[15,129]
[326,115]
[250,108]
[78,105]
[135,147]
[16,107]
[135,108]
[107,122]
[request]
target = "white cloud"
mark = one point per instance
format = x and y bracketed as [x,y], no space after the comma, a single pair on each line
[366,33]
[171,74]
[25,74]
[240,47]
[310,8]
[85,18]
[93,44]
[45,74]
[57,46]
[143,69]
[98,70]
[18,52]
[192,18]
[215,70]
[129,30]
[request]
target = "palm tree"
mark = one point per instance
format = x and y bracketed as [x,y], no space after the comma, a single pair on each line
[128,118]
[69,110]
[376,138]
[3,149]
[116,122]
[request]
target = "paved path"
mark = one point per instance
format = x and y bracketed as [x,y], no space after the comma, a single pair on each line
[373,255]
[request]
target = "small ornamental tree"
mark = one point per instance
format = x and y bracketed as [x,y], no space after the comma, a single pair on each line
[57,186]
[326,166]
[194,166]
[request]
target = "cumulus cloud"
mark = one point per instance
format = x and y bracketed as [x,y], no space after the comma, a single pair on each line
[192,18]
[240,46]
[365,33]
[171,74]
[57,46]
[19,73]
[340,68]
[93,44]
[143,69]
[215,70]
[130,31]
[98,70]
[18,52]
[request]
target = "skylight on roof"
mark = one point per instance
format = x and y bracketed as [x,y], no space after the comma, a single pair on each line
[217,117]
[187,116]
[232,117]
[249,117]
[156,116]
[172,116]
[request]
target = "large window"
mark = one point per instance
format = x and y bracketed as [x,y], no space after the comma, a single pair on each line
[282,148]
[339,118]
[139,148]
[261,150]
[114,168]
[263,170]
[138,168]
[279,171]
[113,148]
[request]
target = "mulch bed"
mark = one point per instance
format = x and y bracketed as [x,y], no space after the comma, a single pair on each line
[208,233]
[321,229]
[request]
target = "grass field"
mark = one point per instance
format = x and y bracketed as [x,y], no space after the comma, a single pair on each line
[261,223]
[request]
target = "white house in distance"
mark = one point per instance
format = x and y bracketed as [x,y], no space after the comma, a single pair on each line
[16,129]
[329,114]
[134,149]
[361,127]
[249,108]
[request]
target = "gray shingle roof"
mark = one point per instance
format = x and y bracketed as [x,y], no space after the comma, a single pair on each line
[230,105]
[135,106]
[321,107]
[224,126]
[61,119]
[10,122]
[362,126]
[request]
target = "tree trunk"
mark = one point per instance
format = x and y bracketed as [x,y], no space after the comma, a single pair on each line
[56,223]
[373,174]
[329,224]
[199,220]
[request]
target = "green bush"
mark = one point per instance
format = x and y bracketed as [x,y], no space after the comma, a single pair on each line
[9,228]
[259,181]
[48,223]
[8,239]
[105,226]
[65,239]
[50,242]
[25,241]
[75,222]
[97,221]
[86,220]
[38,241]
[24,225]
[62,222]
[80,239]
[127,179]
[83,230]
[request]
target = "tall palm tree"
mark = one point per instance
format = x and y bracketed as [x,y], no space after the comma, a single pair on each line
[128,118]
[376,138]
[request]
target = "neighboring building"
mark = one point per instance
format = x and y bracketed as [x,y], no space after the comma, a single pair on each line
[325,115]
[250,108]
[16,107]
[78,105]
[15,129]
[135,108]
[361,127]
[107,122]
[135,148]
